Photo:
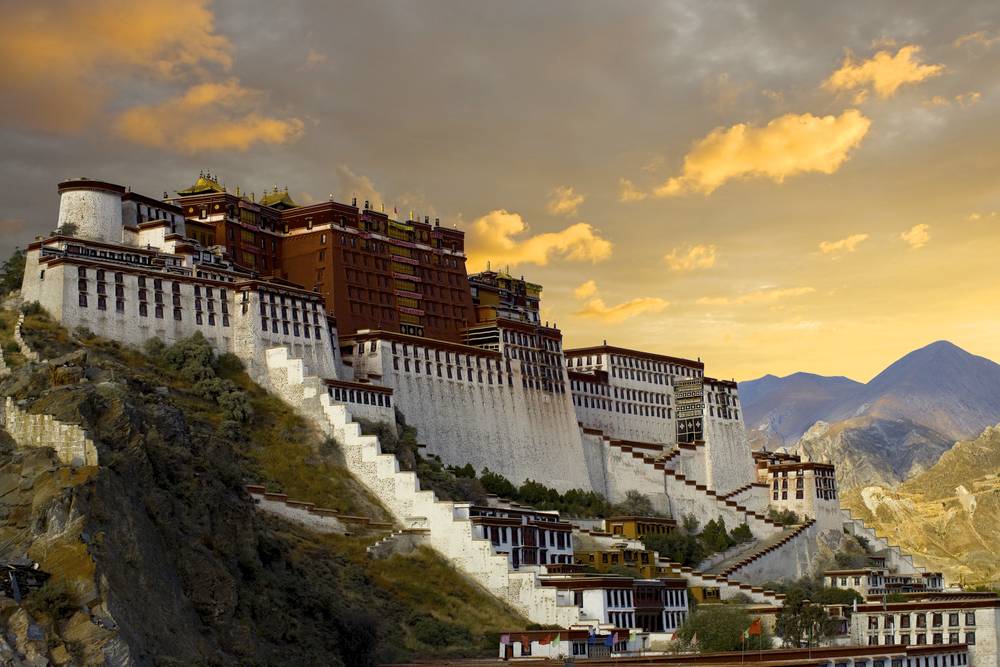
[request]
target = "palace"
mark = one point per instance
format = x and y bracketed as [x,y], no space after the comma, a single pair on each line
[346,312]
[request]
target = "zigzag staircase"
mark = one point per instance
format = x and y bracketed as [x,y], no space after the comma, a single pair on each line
[727,587]
[400,492]
[760,525]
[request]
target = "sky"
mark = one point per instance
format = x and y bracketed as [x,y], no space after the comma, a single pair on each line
[771,187]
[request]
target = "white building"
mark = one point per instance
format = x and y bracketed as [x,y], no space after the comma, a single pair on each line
[942,620]
[130,278]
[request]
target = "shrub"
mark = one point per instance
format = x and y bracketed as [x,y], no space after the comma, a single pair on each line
[435,632]
[32,308]
[742,534]
[497,484]
[55,599]
[783,517]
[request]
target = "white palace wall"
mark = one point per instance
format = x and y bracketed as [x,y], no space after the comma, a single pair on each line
[233,325]
[521,433]
[729,464]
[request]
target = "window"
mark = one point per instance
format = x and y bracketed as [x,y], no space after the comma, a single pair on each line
[952,637]
[580,648]
[83,299]
[938,638]
[970,618]
[953,619]
[970,638]
[938,620]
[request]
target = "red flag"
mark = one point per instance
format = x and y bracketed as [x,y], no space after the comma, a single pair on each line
[755,627]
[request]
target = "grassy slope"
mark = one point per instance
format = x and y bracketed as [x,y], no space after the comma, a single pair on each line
[277,448]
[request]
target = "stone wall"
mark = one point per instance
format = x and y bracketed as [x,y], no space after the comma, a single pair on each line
[71,443]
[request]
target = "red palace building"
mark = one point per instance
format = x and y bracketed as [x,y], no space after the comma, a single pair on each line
[373,272]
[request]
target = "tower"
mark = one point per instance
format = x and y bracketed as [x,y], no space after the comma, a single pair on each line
[93,208]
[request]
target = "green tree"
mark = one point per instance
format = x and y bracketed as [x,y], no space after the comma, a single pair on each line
[12,272]
[720,628]
[497,484]
[635,504]
[715,537]
[801,622]
[682,545]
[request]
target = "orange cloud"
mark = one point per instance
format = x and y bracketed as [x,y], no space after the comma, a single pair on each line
[208,116]
[359,186]
[848,244]
[585,290]
[628,192]
[884,72]
[980,40]
[917,235]
[762,296]
[691,258]
[564,201]
[598,310]
[62,60]
[786,146]
[493,238]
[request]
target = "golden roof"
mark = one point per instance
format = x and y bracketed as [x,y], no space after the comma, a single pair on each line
[204,185]
[278,198]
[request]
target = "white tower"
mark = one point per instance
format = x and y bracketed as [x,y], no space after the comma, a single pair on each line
[94,208]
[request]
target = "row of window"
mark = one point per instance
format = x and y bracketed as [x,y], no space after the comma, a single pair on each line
[920,620]
[921,638]
[359,396]
[619,598]
[624,408]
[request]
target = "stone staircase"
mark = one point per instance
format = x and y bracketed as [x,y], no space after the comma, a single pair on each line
[399,491]
[405,539]
[28,353]
[899,561]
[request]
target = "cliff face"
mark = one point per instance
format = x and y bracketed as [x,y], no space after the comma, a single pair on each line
[158,557]
[949,515]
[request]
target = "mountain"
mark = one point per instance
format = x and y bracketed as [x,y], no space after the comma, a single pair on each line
[949,515]
[940,386]
[884,431]
[780,410]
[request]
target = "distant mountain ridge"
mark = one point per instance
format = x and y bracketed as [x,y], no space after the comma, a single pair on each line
[883,431]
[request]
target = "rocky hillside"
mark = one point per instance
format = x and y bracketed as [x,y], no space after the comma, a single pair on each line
[870,450]
[157,555]
[947,516]
[887,430]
